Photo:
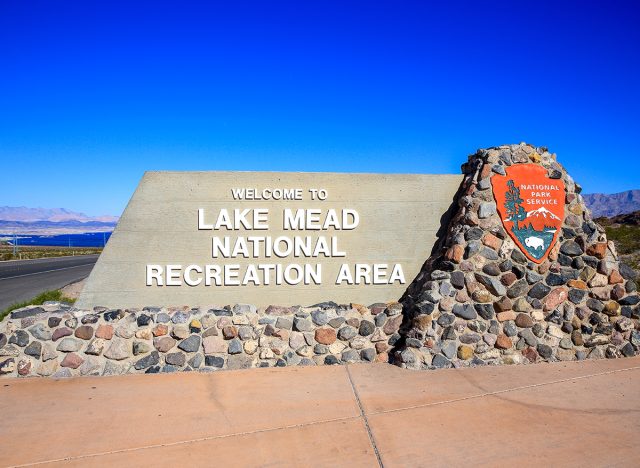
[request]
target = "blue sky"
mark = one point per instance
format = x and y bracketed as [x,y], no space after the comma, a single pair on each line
[92,94]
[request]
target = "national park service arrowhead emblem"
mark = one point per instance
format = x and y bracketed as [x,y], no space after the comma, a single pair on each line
[531,206]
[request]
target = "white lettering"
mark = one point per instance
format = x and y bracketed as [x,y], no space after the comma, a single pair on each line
[220,248]
[311,220]
[344,275]
[363,273]
[154,272]
[212,272]
[189,279]
[173,275]
[267,194]
[201,224]
[397,274]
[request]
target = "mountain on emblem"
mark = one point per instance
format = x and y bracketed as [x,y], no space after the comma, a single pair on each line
[531,206]
[542,212]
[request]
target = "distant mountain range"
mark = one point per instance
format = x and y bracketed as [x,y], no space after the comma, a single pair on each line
[23,220]
[613,204]
[55,215]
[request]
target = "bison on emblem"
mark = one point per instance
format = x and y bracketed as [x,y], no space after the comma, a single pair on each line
[534,242]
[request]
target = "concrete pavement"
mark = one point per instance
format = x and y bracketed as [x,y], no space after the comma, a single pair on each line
[560,414]
[21,280]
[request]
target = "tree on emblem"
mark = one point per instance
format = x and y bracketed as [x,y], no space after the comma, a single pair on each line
[515,211]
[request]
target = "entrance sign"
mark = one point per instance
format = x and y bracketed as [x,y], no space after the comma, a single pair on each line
[200,238]
[531,206]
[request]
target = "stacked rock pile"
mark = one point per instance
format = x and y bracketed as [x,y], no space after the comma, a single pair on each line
[59,341]
[479,300]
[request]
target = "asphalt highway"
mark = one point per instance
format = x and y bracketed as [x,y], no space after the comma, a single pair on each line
[21,280]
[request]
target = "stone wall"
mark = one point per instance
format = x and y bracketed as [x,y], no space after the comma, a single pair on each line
[60,341]
[478,300]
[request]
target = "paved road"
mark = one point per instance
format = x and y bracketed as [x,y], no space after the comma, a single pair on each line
[21,280]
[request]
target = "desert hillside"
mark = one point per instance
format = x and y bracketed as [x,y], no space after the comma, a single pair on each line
[624,230]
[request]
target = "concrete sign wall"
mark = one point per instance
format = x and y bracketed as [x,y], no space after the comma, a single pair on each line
[266,238]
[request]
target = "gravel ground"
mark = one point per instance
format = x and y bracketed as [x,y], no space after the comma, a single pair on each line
[73,290]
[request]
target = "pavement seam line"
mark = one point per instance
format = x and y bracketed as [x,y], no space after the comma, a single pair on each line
[372,439]
[498,392]
[187,441]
